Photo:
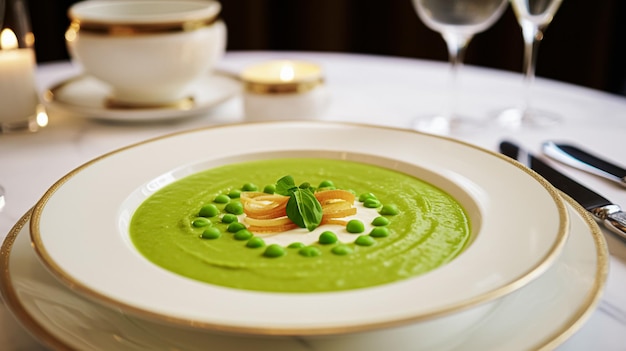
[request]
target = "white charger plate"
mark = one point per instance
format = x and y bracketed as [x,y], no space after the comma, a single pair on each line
[87,97]
[79,229]
[539,316]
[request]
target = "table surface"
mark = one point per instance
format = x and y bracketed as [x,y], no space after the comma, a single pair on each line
[365,89]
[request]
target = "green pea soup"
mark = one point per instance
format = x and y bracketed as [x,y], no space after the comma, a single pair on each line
[430,229]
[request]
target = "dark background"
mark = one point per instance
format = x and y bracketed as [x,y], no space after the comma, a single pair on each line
[584,45]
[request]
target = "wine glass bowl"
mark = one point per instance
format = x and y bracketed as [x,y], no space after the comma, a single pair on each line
[458,16]
[533,17]
[538,13]
[457,21]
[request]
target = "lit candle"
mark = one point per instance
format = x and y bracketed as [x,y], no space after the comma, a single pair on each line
[283,89]
[18,94]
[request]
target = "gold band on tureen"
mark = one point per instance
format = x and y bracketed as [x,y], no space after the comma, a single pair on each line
[126,29]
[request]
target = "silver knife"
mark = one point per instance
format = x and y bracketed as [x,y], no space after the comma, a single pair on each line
[584,160]
[604,211]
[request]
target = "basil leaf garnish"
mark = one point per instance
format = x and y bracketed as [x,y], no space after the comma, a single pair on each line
[303,209]
[310,209]
[285,185]
[293,212]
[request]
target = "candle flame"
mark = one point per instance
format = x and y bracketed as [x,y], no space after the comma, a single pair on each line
[8,40]
[286,73]
[42,116]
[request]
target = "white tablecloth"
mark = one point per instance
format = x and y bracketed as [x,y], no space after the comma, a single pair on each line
[365,89]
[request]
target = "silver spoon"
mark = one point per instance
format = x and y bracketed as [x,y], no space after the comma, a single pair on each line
[577,157]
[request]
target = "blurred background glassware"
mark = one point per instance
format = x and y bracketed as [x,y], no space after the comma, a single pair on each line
[457,21]
[151,52]
[533,16]
[2,200]
[20,108]
[283,90]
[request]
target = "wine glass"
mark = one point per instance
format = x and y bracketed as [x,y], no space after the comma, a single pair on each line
[533,16]
[457,21]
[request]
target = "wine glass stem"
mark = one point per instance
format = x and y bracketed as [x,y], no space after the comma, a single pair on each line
[457,44]
[532,38]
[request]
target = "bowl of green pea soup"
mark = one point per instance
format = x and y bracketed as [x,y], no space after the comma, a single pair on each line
[300,228]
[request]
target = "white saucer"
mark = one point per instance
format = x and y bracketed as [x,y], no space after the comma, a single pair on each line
[88,97]
[541,315]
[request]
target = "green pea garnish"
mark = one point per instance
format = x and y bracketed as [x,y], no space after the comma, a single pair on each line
[221,199]
[235,227]
[371,203]
[326,184]
[310,251]
[200,222]
[249,187]
[355,226]
[229,218]
[296,245]
[366,196]
[364,240]
[380,221]
[269,189]
[211,233]
[341,250]
[234,194]
[255,242]
[235,208]
[327,237]
[209,210]
[389,210]
[274,250]
[243,234]
[379,232]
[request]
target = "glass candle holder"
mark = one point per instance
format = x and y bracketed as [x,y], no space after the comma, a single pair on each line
[283,90]
[20,108]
